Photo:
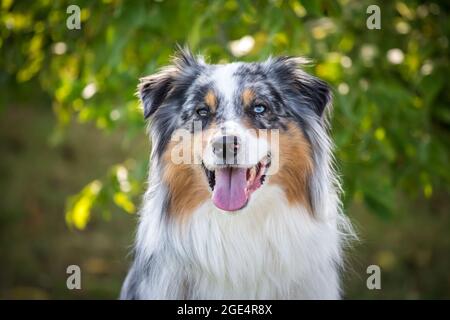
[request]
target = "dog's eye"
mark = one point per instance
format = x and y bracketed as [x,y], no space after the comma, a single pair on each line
[259,109]
[203,112]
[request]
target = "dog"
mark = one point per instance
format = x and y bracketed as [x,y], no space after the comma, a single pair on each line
[221,226]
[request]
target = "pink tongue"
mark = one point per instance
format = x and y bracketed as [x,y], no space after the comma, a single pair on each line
[229,192]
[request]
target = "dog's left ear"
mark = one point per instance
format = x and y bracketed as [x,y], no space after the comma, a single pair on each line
[315,92]
[153,90]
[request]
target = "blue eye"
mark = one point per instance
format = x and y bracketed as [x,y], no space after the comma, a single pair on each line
[259,109]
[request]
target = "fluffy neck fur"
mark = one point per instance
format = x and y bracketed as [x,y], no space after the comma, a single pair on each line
[267,251]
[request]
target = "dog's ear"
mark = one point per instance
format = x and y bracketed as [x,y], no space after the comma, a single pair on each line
[314,91]
[153,90]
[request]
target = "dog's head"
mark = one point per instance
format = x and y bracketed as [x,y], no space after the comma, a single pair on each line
[222,132]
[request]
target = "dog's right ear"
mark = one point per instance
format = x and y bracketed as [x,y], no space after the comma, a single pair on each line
[153,90]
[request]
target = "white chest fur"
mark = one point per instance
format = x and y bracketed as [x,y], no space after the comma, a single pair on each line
[268,251]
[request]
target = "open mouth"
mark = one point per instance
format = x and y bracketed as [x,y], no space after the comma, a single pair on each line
[232,185]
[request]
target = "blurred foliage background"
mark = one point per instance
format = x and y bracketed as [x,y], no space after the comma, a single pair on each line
[74,152]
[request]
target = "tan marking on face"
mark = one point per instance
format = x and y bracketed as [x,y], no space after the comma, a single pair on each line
[248,95]
[296,166]
[211,100]
[187,183]
[295,162]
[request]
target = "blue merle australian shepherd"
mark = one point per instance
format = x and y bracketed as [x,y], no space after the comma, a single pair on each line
[248,207]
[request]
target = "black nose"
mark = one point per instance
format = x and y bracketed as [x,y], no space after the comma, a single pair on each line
[226,148]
